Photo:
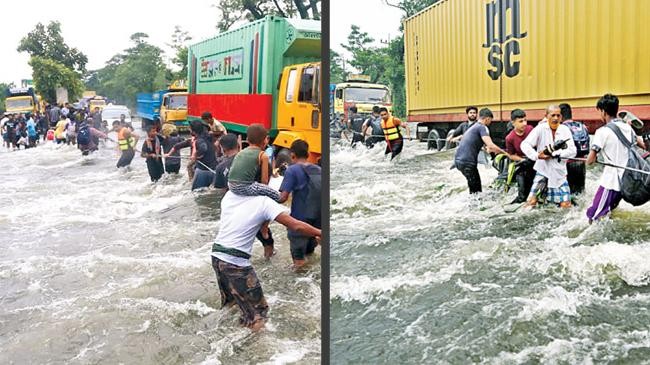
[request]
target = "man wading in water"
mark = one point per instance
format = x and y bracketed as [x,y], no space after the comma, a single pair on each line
[466,159]
[549,144]
[392,134]
[126,142]
[613,151]
[241,219]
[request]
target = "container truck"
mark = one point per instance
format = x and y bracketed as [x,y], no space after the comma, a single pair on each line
[167,106]
[267,72]
[527,54]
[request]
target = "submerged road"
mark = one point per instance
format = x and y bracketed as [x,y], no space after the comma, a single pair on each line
[423,273]
[101,266]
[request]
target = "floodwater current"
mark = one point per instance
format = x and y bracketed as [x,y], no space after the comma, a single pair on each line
[101,266]
[422,273]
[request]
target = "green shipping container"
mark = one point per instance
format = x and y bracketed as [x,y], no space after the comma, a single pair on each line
[235,75]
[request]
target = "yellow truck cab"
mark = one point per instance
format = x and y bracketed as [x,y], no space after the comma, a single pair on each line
[173,109]
[23,100]
[299,108]
[360,92]
[97,102]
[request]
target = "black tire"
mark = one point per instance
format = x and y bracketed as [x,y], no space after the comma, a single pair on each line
[432,140]
[450,145]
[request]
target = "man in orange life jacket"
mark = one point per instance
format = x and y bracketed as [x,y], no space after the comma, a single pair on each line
[126,142]
[394,139]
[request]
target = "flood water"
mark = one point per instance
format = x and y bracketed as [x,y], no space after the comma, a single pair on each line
[101,266]
[424,273]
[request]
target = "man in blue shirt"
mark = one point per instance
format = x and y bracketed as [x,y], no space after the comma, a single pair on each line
[305,202]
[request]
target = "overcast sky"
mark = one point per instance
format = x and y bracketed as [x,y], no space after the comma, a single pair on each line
[99,29]
[374,17]
[101,32]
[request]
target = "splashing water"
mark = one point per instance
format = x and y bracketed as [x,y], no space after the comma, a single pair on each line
[424,273]
[102,266]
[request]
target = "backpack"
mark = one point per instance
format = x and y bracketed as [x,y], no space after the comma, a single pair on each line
[313,199]
[377,131]
[580,136]
[635,185]
[83,136]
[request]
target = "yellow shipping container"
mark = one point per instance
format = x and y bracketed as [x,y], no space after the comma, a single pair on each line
[507,54]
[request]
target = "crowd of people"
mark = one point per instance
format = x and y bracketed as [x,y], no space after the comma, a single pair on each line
[548,162]
[379,126]
[59,123]
[216,160]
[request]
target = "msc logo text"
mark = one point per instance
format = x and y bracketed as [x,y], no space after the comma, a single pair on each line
[502,46]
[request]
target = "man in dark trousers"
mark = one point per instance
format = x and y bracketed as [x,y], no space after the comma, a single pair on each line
[305,203]
[524,172]
[355,123]
[576,169]
[466,159]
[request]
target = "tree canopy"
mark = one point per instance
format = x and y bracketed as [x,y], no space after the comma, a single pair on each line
[232,11]
[139,68]
[384,64]
[47,42]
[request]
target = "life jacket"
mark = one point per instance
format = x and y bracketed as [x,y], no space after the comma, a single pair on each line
[125,143]
[391,131]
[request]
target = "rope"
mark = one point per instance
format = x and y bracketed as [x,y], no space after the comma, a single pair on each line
[407,138]
[609,164]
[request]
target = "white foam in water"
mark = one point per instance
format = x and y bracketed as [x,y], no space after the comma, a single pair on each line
[555,299]
[588,263]
[145,327]
[170,308]
[364,289]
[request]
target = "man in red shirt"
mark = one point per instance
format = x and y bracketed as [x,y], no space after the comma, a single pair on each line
[524,172]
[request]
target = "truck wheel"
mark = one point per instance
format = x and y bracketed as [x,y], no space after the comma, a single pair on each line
[282,159]
[450,145]
[433,139]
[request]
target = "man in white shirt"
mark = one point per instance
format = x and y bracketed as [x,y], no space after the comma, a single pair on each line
[241,219]
[544,146]
[612,150]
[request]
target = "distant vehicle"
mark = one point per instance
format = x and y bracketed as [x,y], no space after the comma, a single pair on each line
[167,106]
[97,102]
[23,100]
[358,91]
[111,113]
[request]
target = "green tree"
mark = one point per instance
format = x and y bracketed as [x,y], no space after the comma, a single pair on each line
[179,45]
[337,73]
[47,42]
[3,94]
[232,11]
[367,59]
[139,68]
[49,74]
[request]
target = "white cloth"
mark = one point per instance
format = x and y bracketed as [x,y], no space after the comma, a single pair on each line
[613,152]
[540,137]
[241,218]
